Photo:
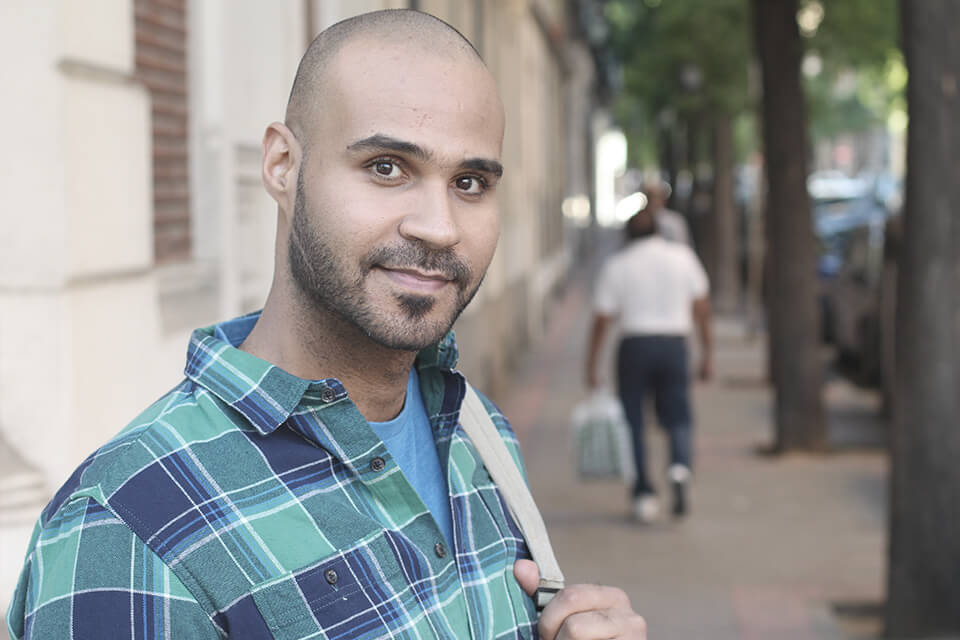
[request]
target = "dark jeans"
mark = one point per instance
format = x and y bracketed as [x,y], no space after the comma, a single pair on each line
[657,364]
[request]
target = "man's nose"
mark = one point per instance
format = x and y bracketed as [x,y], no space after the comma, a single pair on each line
[432,220]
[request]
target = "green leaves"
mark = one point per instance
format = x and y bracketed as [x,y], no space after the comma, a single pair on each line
[686,54]
[863,76]
[691,58]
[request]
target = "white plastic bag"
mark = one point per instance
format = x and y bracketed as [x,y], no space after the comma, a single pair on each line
[602,443]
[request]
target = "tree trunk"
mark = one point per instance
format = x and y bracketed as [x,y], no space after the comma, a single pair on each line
[924,562]
[794,320]
[725,223]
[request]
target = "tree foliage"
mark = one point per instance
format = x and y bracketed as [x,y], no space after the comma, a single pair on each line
[680,59]
[856,75]
[663,44]
[855,33]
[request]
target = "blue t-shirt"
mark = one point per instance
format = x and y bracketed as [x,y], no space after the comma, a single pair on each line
[409,440]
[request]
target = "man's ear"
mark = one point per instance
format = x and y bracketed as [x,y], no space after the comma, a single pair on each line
[281,164]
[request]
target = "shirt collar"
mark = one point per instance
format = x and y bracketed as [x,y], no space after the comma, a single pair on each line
[443,355]
[263,393]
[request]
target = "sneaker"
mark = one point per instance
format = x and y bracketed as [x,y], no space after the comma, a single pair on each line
[679,481]
[646,507]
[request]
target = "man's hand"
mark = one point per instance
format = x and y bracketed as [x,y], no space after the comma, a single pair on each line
[582,611]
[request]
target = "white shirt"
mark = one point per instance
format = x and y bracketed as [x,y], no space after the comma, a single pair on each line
[651,284]
[672,226]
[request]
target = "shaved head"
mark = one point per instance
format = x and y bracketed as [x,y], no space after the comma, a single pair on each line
[406,27]
[658,192]
[385,174]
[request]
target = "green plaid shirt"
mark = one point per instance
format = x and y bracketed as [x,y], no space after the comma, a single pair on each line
[250,503]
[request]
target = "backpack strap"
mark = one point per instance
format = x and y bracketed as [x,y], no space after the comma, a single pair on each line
[500,465]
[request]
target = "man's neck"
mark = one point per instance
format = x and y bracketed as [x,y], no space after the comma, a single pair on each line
[315,344]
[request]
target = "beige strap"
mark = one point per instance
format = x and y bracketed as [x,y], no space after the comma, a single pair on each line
[501,467]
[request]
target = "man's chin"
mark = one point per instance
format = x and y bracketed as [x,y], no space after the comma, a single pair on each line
[409,340]
[414,331]
[416,307]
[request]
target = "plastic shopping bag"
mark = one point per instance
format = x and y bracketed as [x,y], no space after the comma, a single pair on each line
[602,439]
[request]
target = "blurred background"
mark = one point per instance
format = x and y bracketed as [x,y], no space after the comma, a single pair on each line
[134,213]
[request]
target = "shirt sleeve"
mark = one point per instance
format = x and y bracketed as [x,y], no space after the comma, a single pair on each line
[87,575]
[605,298]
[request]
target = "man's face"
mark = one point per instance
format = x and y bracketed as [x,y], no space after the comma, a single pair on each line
[395,221]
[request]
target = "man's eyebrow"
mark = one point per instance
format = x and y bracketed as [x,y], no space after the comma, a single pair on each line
[481,164]
[381,142]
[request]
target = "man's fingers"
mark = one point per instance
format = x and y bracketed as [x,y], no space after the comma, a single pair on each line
[577,599]
[621,624]
[528,575]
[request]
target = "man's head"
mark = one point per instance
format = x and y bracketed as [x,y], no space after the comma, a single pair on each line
[385,177]
[641,225]
[657,192]
[399,27]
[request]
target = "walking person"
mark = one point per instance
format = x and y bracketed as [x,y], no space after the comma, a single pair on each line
[311,477]
[657,291]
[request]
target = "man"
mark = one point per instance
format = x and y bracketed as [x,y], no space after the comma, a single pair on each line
[670,224]
[309,477]
[657,289]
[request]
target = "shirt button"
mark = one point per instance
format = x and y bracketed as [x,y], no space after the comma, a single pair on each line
[440,550]
[328,395]
[331,576]
[377,464]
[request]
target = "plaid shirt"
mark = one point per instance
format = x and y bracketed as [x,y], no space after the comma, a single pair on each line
[250,503]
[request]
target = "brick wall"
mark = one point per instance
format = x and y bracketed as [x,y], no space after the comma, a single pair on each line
[161,65]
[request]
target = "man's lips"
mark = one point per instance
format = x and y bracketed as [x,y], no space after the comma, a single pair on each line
[415,280]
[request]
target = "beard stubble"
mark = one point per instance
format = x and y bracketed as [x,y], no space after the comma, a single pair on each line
[321,277]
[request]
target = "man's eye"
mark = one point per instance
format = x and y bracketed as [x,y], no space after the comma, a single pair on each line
[386,169]
[472,185]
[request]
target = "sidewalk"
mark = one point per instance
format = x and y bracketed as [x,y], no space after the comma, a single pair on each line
[771,545]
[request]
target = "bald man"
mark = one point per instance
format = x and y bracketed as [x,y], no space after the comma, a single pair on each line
[309,477]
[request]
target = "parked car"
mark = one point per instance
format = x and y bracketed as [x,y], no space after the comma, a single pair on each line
[850,227]
[851,298]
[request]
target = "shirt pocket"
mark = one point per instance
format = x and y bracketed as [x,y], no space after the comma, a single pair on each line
[353,594]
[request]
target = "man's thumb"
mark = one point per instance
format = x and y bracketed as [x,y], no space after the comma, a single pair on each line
[528,575]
